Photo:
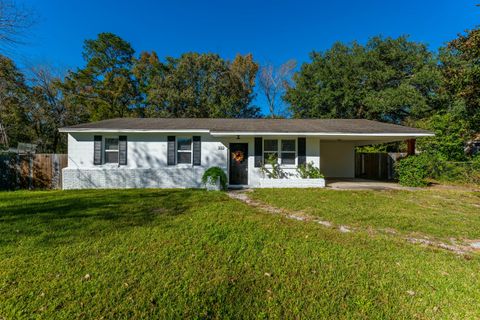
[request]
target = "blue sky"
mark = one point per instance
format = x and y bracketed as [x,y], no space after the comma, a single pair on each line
[273,31]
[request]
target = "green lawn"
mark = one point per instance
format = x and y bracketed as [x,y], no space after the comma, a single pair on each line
[193,254]
[442,214]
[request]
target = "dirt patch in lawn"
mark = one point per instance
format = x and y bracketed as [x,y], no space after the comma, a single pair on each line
[467,246]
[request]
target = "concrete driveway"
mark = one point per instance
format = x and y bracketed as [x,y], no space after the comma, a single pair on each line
[363,184]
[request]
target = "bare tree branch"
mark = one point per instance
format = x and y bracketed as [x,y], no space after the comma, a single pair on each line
[14,21]
[273,82]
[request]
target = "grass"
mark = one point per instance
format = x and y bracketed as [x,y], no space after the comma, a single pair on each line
[439,213]
[193,254]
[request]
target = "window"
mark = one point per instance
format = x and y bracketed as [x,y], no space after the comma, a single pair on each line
[270,150]
[184,150]
[288,152]
[111,150]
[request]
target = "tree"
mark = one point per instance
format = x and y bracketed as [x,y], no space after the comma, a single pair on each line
[244,72]
[50,110]
[196,85]
[105,87]
[14,103]
[148,70]
[14,20]
[460,66]
[273,82]
[451,132]
[388,79]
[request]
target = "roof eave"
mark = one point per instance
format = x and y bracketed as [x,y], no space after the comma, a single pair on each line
[249,133]
[323,134]
[92,130]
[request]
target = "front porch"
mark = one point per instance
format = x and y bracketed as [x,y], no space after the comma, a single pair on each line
[246,159]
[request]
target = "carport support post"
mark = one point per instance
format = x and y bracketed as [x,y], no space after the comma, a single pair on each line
[410,147]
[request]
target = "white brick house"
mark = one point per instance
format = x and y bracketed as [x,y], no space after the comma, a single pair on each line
[174,153]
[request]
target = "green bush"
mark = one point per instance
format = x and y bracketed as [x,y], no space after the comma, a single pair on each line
[451,133]
[413,171]
[214,173]
[459,172]
[272,169]
[309,171]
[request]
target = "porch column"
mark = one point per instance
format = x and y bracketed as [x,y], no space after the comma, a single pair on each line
[410,147]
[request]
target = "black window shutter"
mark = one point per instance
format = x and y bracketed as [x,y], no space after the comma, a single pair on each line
[302,151]
[122,150]
[258,152]
[197,151]
[97,150]
[171,151]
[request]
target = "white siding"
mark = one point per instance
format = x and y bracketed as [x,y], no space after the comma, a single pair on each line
[147,161]
[313,151]
[337,159]
[313,155]
[145,150]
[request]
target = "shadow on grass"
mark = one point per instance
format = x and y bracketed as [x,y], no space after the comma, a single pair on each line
[64,216]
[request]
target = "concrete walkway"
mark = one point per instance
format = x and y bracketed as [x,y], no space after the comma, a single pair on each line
[364,184]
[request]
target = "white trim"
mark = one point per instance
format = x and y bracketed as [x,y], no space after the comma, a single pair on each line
[295,153]
[105,150]
[248,133]
[291,183]
[271,133]
[100,130]
[184,151]
[279,152]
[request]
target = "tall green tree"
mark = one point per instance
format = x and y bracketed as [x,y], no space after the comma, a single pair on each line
[106,86]
[196,85]
[15,102]
[149,71]
[460,66]
[451,132]
[387,79]
[244,71]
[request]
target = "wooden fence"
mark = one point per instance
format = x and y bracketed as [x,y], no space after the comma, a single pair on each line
[377,166]
[38,171]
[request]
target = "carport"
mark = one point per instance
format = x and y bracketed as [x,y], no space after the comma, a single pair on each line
[339,160]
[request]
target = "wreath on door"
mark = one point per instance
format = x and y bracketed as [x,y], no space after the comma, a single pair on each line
[238,156]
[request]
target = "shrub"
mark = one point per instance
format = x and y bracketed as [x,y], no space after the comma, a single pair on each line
[309,171]
[276,171]
[451,133]
[413,171]
[213,174]
[459,172]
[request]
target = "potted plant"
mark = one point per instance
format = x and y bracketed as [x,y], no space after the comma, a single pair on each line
[214,178]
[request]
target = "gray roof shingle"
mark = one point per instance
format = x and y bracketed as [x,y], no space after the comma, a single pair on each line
[248,125]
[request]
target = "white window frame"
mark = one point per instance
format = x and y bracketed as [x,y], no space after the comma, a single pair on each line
[270,151]
[294,152]
[280,151]
[184,151]
[105,150]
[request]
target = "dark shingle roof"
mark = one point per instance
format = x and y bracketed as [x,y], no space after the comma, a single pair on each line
[248,125]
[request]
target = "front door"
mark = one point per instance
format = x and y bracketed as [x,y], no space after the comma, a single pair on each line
[239,163]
